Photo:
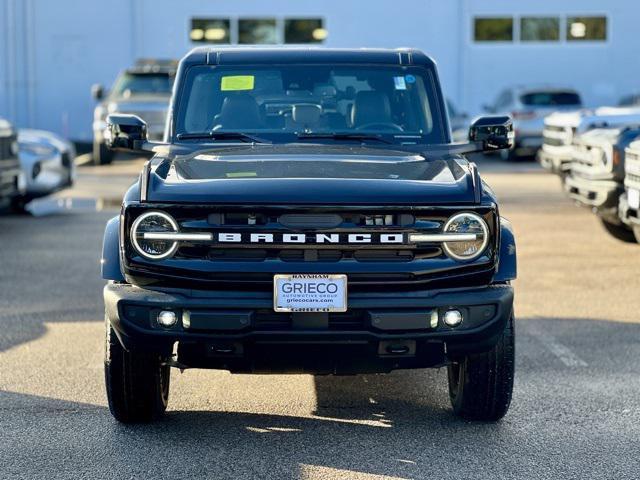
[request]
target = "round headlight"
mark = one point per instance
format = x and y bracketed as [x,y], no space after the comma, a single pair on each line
[466,223]
[154,222]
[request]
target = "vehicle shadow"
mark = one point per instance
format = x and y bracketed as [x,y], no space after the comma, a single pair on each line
[49,272]
[215,444]
[574,389]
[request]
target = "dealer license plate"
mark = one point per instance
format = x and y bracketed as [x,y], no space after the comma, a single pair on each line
[310,293]
[633,198]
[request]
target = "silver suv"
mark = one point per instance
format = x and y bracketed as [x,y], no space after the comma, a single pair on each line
[528,106]
[143,90]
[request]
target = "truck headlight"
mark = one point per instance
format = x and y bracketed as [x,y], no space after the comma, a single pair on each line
[466,223]
[142,235]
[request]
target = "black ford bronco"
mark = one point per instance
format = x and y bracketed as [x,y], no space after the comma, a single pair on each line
[307,212]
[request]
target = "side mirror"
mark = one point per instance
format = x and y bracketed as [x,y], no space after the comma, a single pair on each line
[495,132]
[125,132]
[97,91]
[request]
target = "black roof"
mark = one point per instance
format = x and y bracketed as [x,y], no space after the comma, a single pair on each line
[232,55]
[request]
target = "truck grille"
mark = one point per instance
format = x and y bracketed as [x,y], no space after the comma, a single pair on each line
[350,320]
[9,166]
[632,168]
[589,156]
[6,146]
[557,136]
[252,265]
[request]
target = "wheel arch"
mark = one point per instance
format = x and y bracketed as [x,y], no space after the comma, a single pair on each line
[507,261]
[110,261]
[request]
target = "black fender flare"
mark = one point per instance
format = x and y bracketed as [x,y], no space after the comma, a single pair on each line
[110,261]
[507,261]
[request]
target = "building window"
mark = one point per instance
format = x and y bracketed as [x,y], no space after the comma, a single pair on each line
[497,29]
[257,31]
[539,29]
[210,30]
[307,30]
[587,28]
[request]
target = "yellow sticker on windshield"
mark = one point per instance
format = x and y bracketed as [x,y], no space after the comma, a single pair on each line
[237,82]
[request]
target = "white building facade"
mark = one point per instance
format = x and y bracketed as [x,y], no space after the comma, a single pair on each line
[51,52]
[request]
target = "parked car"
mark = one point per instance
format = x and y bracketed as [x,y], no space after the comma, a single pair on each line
[528,106]
[629,207]
[12,182]
[459,122]
[631,100]
[561,128]
[143,90]
[47,162]
[597,174]
[265,237]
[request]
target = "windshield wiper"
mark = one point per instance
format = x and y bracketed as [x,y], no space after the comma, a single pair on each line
[344,136]
[215,135]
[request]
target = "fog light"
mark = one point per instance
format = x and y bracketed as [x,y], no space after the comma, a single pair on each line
[453,318]
[167,318]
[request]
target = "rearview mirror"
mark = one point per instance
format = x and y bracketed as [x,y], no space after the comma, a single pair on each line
[494,132]
[125,132]
[97,91]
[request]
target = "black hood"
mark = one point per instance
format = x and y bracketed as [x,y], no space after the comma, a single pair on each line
[312,174]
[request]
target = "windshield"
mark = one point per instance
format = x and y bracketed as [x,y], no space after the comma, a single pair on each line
[283,101]
[129,84]
[547,99]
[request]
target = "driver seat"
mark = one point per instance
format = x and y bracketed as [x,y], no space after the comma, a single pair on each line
[370,107]
[238,112]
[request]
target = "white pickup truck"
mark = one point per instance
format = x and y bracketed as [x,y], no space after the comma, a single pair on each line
[560,129]
[629,207]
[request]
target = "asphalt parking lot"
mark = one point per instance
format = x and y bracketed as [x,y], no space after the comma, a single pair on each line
[575,411]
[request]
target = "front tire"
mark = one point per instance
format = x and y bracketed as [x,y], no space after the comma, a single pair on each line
[18,206]
[137,383]
[481,385]
[620,232]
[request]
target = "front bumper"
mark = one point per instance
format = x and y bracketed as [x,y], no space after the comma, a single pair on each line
[627,214]
[239,331]
[47,175]
[603,195]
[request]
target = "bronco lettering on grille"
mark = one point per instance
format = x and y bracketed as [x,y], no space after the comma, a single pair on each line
[311,238]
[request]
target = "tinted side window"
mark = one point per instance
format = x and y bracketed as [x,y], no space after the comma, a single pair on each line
[543,99]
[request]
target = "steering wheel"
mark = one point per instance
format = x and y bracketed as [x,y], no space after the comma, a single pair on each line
[381,126]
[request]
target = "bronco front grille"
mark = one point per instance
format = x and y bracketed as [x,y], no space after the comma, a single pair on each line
[252,265]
